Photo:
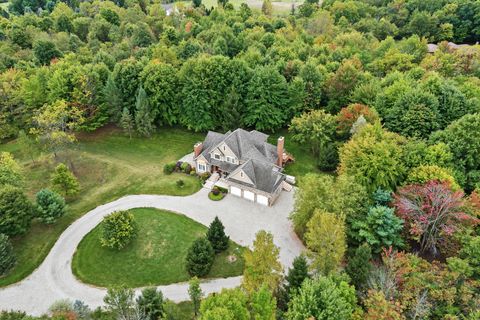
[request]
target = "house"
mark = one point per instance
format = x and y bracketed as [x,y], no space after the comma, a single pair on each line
[247,164]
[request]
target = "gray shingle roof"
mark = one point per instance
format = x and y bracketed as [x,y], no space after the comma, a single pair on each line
[265,176]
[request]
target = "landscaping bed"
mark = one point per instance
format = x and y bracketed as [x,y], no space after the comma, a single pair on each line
[155,257]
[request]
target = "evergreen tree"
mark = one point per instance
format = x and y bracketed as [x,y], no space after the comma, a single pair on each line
[297,273]
[359,267]
[216,236]
[51,206]
[200,258]
[7,258]
[143,116]
[112,99]
[267,7]
[16,211]
[64,181]
[150,303]
[126,122]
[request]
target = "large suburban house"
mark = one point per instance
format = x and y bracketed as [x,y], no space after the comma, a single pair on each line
[247,164]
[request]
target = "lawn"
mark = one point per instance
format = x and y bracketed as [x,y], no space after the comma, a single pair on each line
[108,166]
[155,257]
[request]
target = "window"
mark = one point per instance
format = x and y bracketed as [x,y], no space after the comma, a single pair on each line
[230,159]
[216,156]
[202,167]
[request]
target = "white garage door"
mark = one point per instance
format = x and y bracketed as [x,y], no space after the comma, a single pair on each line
[236,191]
[262,200]
[249,195]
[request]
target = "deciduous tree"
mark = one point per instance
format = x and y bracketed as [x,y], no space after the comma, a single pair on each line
[64,181]
[118,230]
[10,171]
[195,293]
[7,257]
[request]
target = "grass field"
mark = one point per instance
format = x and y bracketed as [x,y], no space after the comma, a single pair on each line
[155,257]
[280,7]
[108,165]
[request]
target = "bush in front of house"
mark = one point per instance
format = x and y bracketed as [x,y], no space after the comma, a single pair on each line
[216,235]
[118,230]
[221,189]
[200,258]
[204,176]
[186,167]
[193,172]
[168,168]
[51,206]
[7,258]
[215,191]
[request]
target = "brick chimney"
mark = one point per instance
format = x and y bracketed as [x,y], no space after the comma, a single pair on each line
[197,149]
[280,150]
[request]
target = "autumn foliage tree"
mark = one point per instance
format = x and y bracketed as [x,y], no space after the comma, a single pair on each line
[432,212]
[350,114]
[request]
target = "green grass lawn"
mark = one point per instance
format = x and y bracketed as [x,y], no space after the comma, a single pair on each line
[108,166]
[155,257]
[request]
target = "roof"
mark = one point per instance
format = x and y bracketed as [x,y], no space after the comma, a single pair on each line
[265,176]
[244,144]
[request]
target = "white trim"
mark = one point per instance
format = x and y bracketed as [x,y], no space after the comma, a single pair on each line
[215,155]
[201,167]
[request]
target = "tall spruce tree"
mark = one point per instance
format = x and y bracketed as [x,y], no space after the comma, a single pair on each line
[144,116]
[216,235]
[126,122]
[297,274]
[359,267]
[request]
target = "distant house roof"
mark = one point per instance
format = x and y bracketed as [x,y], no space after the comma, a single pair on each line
[244,144]
[431,47]
[264,176]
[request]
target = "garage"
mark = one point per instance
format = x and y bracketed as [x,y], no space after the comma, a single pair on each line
[262,200]
[249,195]
[236,191]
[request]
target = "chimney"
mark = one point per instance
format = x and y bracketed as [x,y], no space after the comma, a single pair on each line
[280,150]
[197,149]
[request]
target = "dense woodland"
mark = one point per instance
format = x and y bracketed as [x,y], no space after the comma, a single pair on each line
[392,229]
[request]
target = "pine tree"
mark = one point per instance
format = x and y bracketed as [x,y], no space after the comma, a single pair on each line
[112,98]
[143,116]
[216,236]
[297,273]
[126,122]
[7,258]
[359,267]
[200,258]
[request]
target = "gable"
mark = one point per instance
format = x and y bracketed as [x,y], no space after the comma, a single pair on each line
[240,175]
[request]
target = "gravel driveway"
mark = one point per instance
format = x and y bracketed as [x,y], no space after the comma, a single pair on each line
[54,280]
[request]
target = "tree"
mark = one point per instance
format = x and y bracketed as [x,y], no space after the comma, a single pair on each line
[267,8]
[120,302]
[54,125]
[432,213]
[263,305]
[196,3]
[349,115]
[261,265]
[359,266]
[326,243]
[380,229]
[112,99]
[51,206]
[200,258]
[266,100]
[425,173]
[317,129]
[7,257]
[144,116]
[229,304]
[150,303]
[64,181]
[216,236]
[374,157]
[45,51]
[16,211]
[126,122]
[10,171]
[378,307]
[323,298]
[196,294]
[118,230]
[297,274]
[27,145]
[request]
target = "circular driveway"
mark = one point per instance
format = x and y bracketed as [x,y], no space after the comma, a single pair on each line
[54,280]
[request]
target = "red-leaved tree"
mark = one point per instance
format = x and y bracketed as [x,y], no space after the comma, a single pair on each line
[431,211]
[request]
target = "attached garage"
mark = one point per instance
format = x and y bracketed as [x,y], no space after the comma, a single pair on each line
[249,195]
[236,191]
[262,200]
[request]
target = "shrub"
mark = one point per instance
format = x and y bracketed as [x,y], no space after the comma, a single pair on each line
[216,235]
[178,165]
[186,167]
[168,168]
[204,176]
[51,206]
[215,191]
[118,230]
[180,183]
[223,190]
[7,258]
[200,258]
[216,197]
[193,172]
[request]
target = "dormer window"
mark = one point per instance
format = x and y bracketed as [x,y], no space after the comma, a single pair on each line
[241,174]
[224,148]
[216,156]
[230,159]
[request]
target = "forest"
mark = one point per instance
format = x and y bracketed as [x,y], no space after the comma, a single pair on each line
[391,224]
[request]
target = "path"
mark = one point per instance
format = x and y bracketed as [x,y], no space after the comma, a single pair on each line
[54,280]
